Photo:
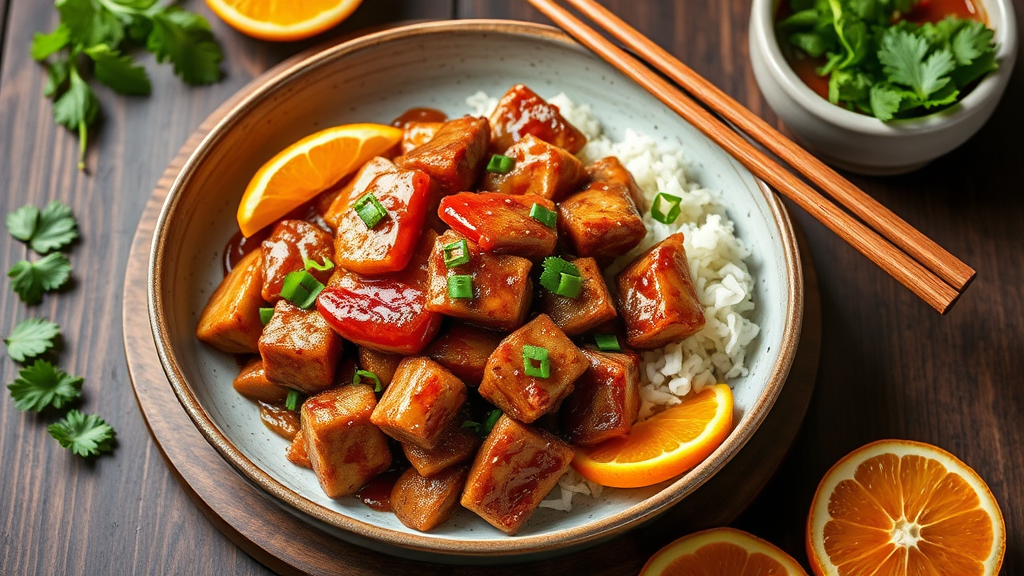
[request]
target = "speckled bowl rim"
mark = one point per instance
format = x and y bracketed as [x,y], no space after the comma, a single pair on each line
[502,545]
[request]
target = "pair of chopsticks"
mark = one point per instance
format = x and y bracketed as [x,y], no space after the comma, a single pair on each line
[917,262]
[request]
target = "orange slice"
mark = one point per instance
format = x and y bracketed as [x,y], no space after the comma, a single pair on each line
[308,167]
[665,445]
[721,552]
[896,507]
[282,20]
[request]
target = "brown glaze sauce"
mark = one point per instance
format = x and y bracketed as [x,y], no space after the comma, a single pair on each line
[280,420]
[418,115]
[377,494]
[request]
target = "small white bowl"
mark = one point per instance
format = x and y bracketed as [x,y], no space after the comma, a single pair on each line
[864,144]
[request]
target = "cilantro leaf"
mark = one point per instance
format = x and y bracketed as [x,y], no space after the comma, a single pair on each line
[77,109]
[31,338]
[22,222]
[56,228]
[186,40]
[119,71]
[58,74]
[906,62]
[90,23]
[885,101]
[44,45]
[84,434]
[30,279]
[554,267]
[971,42]
[43,385]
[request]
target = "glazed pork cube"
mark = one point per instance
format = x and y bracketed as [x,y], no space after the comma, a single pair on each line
[539,169]
[501,289]
[421,401]
[520,112]
[593,307]
[358,184]
[464,350]
[252,382]
[425,503]
[457,445]
[605,401]
[455,156]
[611,171]
[382,364]
[402,199]
[656,297]
[285,251]
[296,453]
[344,448]
[299,349]
[231,320]
[601,221]
[513,471]
[526,384]
[417,134]
[501,223]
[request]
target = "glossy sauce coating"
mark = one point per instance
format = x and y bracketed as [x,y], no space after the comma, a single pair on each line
[286,250]
[521,111]
[419,114]
[280,420]
[421,401]
[606,399]
[500,223]
[539,169]
[377,492]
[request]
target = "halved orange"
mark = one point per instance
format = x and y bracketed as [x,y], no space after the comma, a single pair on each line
[282,20]
[665,445]
[308,167]
[896,508]
[721,552]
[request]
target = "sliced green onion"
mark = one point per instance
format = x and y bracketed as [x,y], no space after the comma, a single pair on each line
[569,286]
[543,215]
[460,286]
[552,276]
[301,288]
[659,213]
[360,374]
[470,425]
[539,355]
[489,423]
[500,164]
[369,210]
[449,251]
[310,264]
[292,401]
[607,342]
[265,315]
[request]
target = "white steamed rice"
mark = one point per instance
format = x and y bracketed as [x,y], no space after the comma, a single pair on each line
[716,256]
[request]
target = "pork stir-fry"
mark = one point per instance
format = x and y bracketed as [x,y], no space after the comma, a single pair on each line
[443,316]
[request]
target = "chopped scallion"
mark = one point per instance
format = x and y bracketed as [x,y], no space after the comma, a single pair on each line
[370,210]
[265,315]
[489,423]
[301,288]
[500,164]
[538,354]
[460,286]
[314,265]
[292,401]
[456,253]
[607,342]
[658,208]
[543,215]
[360,374]
[553,277]
[569,286]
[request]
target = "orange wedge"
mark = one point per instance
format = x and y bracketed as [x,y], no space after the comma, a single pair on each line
[896,508]
[282,20]
[663,446]
[308,167]
[721,552]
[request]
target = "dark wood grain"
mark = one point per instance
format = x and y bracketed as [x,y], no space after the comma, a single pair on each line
[889,366]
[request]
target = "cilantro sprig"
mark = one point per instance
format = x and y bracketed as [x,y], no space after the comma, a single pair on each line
[84,434]
[30,338]
[99,35]
[880,64]
[42,385]
[51,228]
[30,279]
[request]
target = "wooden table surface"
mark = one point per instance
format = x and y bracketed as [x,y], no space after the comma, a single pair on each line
[890,366]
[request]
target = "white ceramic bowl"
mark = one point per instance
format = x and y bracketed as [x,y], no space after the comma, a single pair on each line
[375,78]
[865,144]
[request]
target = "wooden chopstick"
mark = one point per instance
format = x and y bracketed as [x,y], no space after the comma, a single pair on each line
[898,264]
[874,214]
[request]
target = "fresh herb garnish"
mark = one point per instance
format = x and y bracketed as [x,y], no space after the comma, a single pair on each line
[538,354]
[882,65]
[84,434]
[456,253]
[484,428]
[543,215]
[561,277]
[666,208]
[43,385]
[311,264]
[43,230]
[301,288]
[607,342]
[266,313]
[103,32]
[30,279]
[291,402]
[370,210]
[360,374]
[500,164]
[460,287]
[31,338]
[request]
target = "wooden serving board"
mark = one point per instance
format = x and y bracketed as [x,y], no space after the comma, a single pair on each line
[261,527]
